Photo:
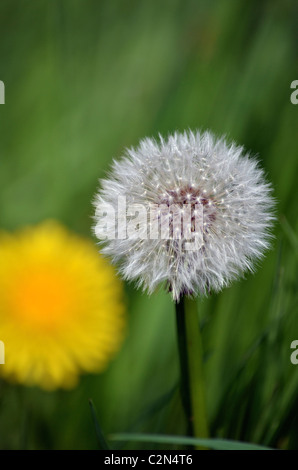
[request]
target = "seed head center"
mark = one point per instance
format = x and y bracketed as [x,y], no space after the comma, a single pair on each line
[198,211]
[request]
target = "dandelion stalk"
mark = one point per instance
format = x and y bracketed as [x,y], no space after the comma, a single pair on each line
[191,365]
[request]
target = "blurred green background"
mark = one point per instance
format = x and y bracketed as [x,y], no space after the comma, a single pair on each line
[84,79]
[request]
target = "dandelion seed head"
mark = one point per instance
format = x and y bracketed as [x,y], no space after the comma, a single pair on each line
[221,186]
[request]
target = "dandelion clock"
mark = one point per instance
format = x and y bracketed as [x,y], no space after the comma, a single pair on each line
[192,213]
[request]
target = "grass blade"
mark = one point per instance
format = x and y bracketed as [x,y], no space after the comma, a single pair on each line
[215,444]
[102,443]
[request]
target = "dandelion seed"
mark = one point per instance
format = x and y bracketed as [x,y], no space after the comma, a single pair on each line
[217,179]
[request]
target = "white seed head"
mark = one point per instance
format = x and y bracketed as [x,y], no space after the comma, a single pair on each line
[230,213]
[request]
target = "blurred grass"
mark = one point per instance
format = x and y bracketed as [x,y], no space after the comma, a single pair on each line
[84,79]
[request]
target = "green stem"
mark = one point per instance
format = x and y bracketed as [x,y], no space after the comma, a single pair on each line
[191,366]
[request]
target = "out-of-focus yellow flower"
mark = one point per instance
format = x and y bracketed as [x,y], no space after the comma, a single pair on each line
[61,307]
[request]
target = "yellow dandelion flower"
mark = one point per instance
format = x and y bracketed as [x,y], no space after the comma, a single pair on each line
[61,307]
